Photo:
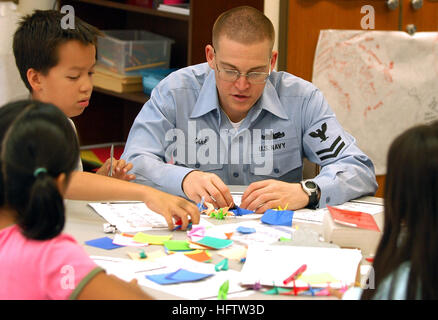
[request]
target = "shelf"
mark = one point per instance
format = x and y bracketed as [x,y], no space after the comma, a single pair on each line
[138,9]
[138,97]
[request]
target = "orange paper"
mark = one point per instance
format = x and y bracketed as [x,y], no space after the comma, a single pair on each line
[200,255]
[354,219]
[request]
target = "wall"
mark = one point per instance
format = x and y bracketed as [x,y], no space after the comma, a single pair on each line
[272,11]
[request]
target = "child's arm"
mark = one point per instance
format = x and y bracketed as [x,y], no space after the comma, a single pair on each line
[109,287]
[92,187]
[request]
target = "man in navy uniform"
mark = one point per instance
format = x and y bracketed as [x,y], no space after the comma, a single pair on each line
[235,121]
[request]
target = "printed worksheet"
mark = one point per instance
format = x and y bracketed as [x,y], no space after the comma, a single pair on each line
[129,216]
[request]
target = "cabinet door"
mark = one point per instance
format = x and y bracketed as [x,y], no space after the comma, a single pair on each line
[308,17]
[425,18]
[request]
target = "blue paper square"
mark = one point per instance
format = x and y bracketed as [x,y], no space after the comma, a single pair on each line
[246,230]
[238,211]
[161,278]
[181,275]
[103,243]
[278,217]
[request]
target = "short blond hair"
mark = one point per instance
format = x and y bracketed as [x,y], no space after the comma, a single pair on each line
[243,24]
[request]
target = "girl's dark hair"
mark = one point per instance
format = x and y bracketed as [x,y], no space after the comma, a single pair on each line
[410,232]
[39,136]
[39,36]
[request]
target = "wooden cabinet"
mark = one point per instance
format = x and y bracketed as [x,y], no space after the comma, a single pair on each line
[308,17]
[110,115]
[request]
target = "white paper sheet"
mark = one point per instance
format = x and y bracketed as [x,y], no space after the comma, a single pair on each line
[133,216]
[125,269]
[270,265]
[129,216]
[378,83]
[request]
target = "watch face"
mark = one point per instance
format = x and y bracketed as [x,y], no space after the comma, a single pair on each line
[310,184]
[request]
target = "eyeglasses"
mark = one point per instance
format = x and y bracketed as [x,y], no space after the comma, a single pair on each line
[232,75]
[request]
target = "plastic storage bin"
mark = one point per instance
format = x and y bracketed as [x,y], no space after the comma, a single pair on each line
[152,77]
[130,51]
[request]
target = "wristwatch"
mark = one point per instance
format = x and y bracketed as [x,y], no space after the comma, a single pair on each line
[312,190]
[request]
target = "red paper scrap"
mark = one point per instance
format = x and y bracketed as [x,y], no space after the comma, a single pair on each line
[354,219]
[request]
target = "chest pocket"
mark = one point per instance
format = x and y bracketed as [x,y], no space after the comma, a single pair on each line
[286,162]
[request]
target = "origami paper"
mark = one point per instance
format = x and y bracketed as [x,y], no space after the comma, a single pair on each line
[238,211]
[319,278]
[245,230]
[201,206]
[196,246]
[177,245]
[280,208]
[103,243]
[276,290]
[257,286]
[214,243]
[208,209]
[181,275]
[199,255]
[354,219]
[196,233]
[311,291]
[179,225]
[127,240]
[295,291]
[279,218]
[223,265]
[228,235]
[142,254]
[223,290]
[151,239]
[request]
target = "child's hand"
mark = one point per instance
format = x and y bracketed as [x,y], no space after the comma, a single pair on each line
[120,169]
[170,206]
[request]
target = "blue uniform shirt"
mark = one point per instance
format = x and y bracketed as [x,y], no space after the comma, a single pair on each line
[183,124]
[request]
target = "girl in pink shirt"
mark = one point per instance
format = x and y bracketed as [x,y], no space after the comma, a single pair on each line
[38,154]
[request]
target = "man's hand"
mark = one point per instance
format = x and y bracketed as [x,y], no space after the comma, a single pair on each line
[198,184]
[170,206]
[269,194]
[120,169]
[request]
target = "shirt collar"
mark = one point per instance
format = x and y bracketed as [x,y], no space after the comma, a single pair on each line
[270,101]
[208,99]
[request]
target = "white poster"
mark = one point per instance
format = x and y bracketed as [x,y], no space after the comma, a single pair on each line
[11,85]
[378,83]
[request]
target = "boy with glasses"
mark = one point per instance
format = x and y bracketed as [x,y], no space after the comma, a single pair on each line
[236,121]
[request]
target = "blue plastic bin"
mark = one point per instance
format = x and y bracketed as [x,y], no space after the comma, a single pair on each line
[151,77]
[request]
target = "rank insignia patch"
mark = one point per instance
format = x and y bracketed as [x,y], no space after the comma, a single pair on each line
[320,133]
[328,152]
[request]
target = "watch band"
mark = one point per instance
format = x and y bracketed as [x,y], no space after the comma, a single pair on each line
[313,200]
[312,192]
